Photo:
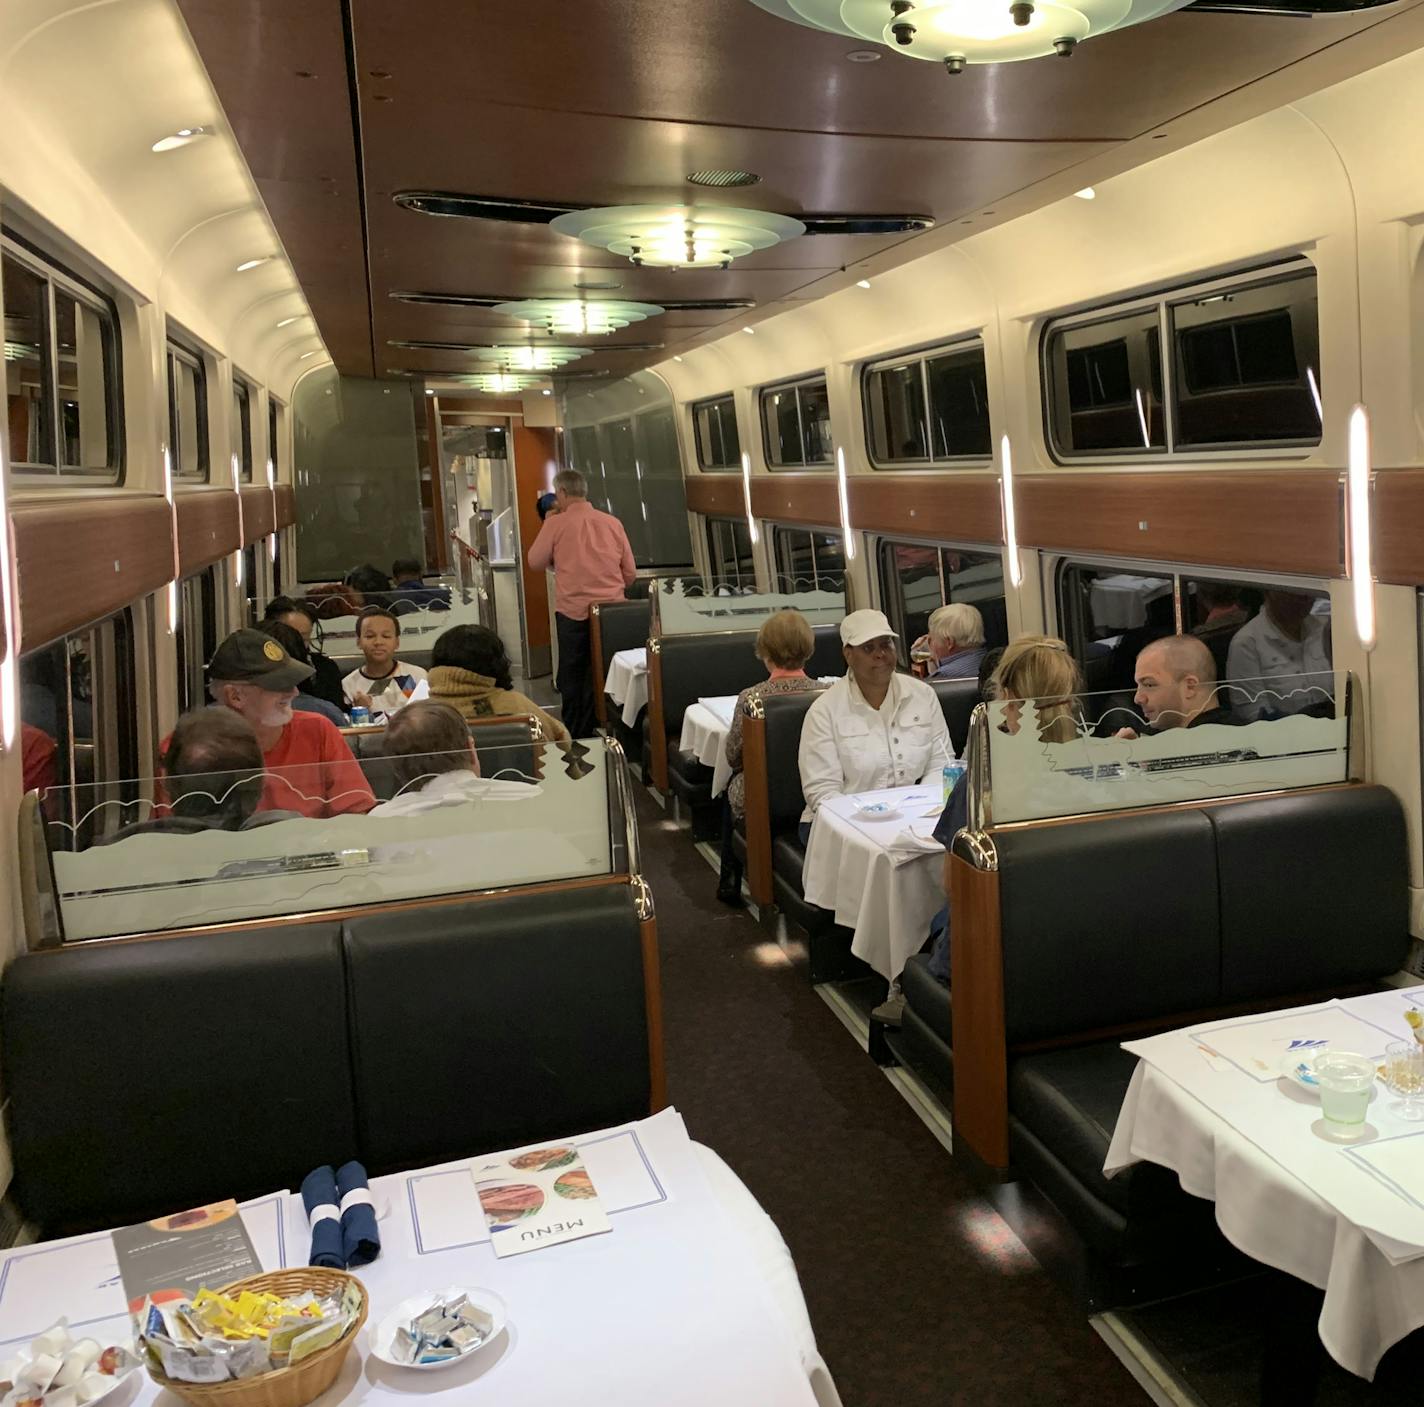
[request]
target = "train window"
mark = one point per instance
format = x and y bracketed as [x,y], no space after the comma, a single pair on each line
[78,704]
[1246,365]
[918,578]
[928,408]
[1254,629]
[276,424]
[796,423]
[729,553]
[714,425]
[187,413]
[242,429]
[61,371]
[198,634]
[1104,383]
[807,561]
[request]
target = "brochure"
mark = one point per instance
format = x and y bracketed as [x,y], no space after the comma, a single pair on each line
[173,1257]
[538,1197]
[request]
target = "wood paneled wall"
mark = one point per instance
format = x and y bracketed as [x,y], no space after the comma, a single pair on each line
[207,528]
[286,497]
[1398,515]
[958,507]
[715,495]
[259,517]
[797,498]
[81,560]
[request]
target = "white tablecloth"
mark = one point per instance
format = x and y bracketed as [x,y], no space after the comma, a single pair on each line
[626,682]
[705,726]
[1120,602]
[887,895]
[1284,1196]
[690,1298]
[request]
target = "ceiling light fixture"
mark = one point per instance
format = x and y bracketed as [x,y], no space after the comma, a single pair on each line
[180,138]
[864,56]
[502,381]
[961,32]
[677,358]
[305,355]
[750,331]
[678,236]
[246,264]
[531,358]
[546,392]
[721,180]
[287,322]
[862,283]
[578,315]
[1087,193]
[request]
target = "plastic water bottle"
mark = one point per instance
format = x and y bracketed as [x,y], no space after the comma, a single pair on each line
[953,771]
[360,717]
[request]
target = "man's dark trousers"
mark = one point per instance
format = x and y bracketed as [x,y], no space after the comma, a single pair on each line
[575,677]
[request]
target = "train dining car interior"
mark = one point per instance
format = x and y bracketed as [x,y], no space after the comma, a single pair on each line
[712,701]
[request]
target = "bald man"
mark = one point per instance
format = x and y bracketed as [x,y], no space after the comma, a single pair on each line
[1176,686]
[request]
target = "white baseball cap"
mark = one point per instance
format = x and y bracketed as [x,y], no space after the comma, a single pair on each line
[860,626]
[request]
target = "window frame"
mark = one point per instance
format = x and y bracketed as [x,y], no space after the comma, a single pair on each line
[177,350]
[244,392]
[921,357]
[883,546]
[1162,301]
[58,276]
[711,522]
[776,533]
[727,400]
[795,385]
[276,425]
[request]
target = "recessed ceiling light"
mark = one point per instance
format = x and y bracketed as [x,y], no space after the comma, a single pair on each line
[719,178]
[305,355]
[246,264]
[429,392]
[750,331]
[547,392]
[287,322]
[1087,193]
[677,359]
[180,138]
[864,56]
[862,283]
[604,285]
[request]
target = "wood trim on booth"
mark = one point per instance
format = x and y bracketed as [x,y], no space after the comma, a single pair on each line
[286,500]
[657,731]
[976,992]
[259,517]
[1398,519]
[1268,520]
[653,1000]
[797,498]
[952,507]
[756,809]
[81,560]
[716,495]
[208,528]
[595,647]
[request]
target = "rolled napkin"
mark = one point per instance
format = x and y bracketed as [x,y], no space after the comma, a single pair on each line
[319,1197]
[359,1236]
[914,840]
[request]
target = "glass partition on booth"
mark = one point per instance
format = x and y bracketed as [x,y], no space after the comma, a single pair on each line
[234,847]
[689,607]
[1108,752]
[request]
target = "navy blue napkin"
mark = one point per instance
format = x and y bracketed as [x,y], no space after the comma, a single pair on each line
[361,1239]
[319,1194]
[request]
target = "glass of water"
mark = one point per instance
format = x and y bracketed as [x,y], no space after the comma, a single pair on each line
[1346,1083]
[1404,1074]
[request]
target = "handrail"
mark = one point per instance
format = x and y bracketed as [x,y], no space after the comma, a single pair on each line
[471,552]
[625,800]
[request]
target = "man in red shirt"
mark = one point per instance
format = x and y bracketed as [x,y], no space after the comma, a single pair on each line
[592,562]
[310,769]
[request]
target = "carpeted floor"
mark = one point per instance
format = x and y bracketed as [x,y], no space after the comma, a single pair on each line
[918,1292]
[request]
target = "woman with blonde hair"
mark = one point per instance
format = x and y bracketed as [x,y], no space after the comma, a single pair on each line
[783,644]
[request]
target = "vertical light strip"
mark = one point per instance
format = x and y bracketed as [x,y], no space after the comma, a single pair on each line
[272,489]
[1315,394]
[10,664]
[1142,420]
[847,538]
[241,526]
[1357,527]
[173,515]
[1006,500]
[747,496]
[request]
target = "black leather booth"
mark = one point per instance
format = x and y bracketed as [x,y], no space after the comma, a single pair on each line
[1151,921]
[957,697]
[620,625]
[153,1074]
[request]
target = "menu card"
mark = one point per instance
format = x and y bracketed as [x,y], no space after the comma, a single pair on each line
[538,1197]
[173,1257]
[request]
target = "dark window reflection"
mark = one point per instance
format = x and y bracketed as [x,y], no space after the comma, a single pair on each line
[27,377]
[1105,385]
[796,424]
[916,580]
[731,554]
[242,430]
[895,402]
[959,404]
[807,561]
[715,429]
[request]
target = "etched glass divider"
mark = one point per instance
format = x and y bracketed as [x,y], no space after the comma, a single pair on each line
[1099,752]
[681,607]
[179,852]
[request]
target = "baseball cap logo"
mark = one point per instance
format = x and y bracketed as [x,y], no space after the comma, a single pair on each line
[273,651]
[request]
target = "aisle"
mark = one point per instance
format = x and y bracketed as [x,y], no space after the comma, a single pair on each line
[918,1292]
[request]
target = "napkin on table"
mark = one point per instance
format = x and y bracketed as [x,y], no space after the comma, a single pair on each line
[914,840]
[359,1236]
[319,1197]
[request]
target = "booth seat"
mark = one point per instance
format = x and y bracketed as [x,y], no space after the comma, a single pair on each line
[1092,931]
[615,626]
[501,743]
[152,1074]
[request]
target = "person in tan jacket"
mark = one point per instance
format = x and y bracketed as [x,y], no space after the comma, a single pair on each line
[470,670]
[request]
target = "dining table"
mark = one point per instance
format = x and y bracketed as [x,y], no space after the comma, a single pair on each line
[626,682]
[873,861]
[689,1297]
[706,725]
[1224,1106]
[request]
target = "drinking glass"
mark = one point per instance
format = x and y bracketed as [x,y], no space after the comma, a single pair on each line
[1404,1074]
[1346,1081]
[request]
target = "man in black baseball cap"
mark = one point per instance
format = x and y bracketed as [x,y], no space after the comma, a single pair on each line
[309,767]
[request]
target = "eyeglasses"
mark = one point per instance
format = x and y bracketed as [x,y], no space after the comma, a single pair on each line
[885,645]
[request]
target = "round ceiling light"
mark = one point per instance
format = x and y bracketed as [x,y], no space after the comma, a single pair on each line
[503,381]
[678,236]
[577,315]
[960,32]
[531,358]
[720,180]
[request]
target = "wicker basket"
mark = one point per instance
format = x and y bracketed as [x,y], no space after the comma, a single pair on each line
[282,1387]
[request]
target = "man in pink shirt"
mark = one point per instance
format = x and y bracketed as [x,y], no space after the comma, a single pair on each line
[592,562]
